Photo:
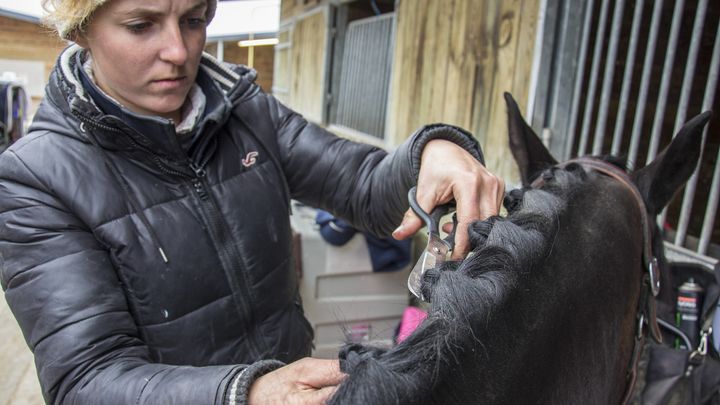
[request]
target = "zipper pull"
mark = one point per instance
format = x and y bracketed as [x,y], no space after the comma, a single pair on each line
[197,181]
[199,171]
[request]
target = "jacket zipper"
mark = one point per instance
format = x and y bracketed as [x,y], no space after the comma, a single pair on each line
[229,257]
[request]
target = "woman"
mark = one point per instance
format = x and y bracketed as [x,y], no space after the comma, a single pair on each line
[144,229]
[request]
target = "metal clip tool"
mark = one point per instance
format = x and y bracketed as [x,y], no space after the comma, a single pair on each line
[437,249]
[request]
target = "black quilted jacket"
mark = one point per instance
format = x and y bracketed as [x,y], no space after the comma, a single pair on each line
[142,271]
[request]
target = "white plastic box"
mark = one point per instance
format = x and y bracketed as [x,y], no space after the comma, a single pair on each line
[344,299]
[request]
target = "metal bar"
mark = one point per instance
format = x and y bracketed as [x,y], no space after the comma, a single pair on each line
[584,45]
[550,16]
[221,51]
[690,66]
[564,76]
[362,99]
[386,135]
[688,77]
[594,73]
[627,78]
[645,84]
[610,60]
[388,77]
[711,208]
[665,81]
[537,58]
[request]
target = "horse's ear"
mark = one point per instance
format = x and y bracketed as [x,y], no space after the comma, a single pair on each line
[526,147]
[661,178]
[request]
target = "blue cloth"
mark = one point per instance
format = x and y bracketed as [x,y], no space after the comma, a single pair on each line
[386,254]
[335,231]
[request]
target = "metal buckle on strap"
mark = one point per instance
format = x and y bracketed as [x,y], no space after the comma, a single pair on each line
[654,272]
[641,323]
[703,346]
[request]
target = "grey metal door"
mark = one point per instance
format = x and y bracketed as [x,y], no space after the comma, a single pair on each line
[362,96]
[621,77]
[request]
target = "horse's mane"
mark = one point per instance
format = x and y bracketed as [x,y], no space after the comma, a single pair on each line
[465,296]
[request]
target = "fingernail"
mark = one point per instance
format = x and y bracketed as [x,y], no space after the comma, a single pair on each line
[399,229]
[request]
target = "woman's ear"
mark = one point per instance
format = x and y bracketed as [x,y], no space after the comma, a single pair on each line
[79,38]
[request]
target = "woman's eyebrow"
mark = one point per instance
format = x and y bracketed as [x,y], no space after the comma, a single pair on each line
[197,7]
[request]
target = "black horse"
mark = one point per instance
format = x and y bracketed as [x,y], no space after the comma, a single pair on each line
[553,303]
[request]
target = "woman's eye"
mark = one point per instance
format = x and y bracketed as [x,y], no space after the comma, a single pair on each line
[138,27]
[195,22]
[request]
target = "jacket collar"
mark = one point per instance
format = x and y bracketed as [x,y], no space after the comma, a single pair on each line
[223,84]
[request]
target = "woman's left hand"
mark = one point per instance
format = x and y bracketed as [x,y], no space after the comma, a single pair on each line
[448,172]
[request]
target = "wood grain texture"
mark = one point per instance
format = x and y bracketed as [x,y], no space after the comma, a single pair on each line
[453,61]
[22,40]
[307,64]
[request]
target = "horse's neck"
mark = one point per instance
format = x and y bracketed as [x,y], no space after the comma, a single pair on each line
[574,315]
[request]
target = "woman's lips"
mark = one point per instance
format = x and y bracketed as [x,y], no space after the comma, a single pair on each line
[170,83]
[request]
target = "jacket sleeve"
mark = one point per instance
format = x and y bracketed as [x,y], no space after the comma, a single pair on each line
[360,183]
[63,290]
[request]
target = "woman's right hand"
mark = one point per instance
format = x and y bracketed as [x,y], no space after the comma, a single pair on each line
[304,382]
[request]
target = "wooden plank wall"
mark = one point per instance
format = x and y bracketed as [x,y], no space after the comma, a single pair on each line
[292,8]
[453,61]
[308,64]
[281,68]
[263,61]
[22,40]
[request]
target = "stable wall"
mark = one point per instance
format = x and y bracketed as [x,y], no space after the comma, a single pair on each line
[453,61]
[262,61]
[22,40]
[25,41]
[301,60]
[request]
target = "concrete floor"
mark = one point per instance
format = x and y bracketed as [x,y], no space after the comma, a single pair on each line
[18,380]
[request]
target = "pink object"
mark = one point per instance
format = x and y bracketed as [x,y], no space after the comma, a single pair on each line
[412,318]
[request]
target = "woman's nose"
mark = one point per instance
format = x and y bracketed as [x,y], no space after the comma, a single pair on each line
[174,48]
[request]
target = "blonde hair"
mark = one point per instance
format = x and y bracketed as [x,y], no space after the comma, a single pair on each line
[69,16]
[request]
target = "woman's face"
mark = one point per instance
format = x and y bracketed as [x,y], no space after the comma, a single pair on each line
[146,53]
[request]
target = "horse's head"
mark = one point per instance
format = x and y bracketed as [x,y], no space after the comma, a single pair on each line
[544,308]
[608,227]
[657,182]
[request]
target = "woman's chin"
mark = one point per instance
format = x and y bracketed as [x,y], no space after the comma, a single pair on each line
[166,109]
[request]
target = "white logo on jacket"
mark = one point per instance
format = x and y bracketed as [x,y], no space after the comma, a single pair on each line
[250,159]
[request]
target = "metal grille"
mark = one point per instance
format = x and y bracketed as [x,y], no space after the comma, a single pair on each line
[365,77]
[622,77]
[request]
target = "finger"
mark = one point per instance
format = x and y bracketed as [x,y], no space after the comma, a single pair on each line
[500,195]
[461,248]
[462,242]
[468,211]
[320,396]
[320,373]
[410,224]
[492,199]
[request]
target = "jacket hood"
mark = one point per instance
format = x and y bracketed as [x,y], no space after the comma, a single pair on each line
[76,108]
[72,105]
